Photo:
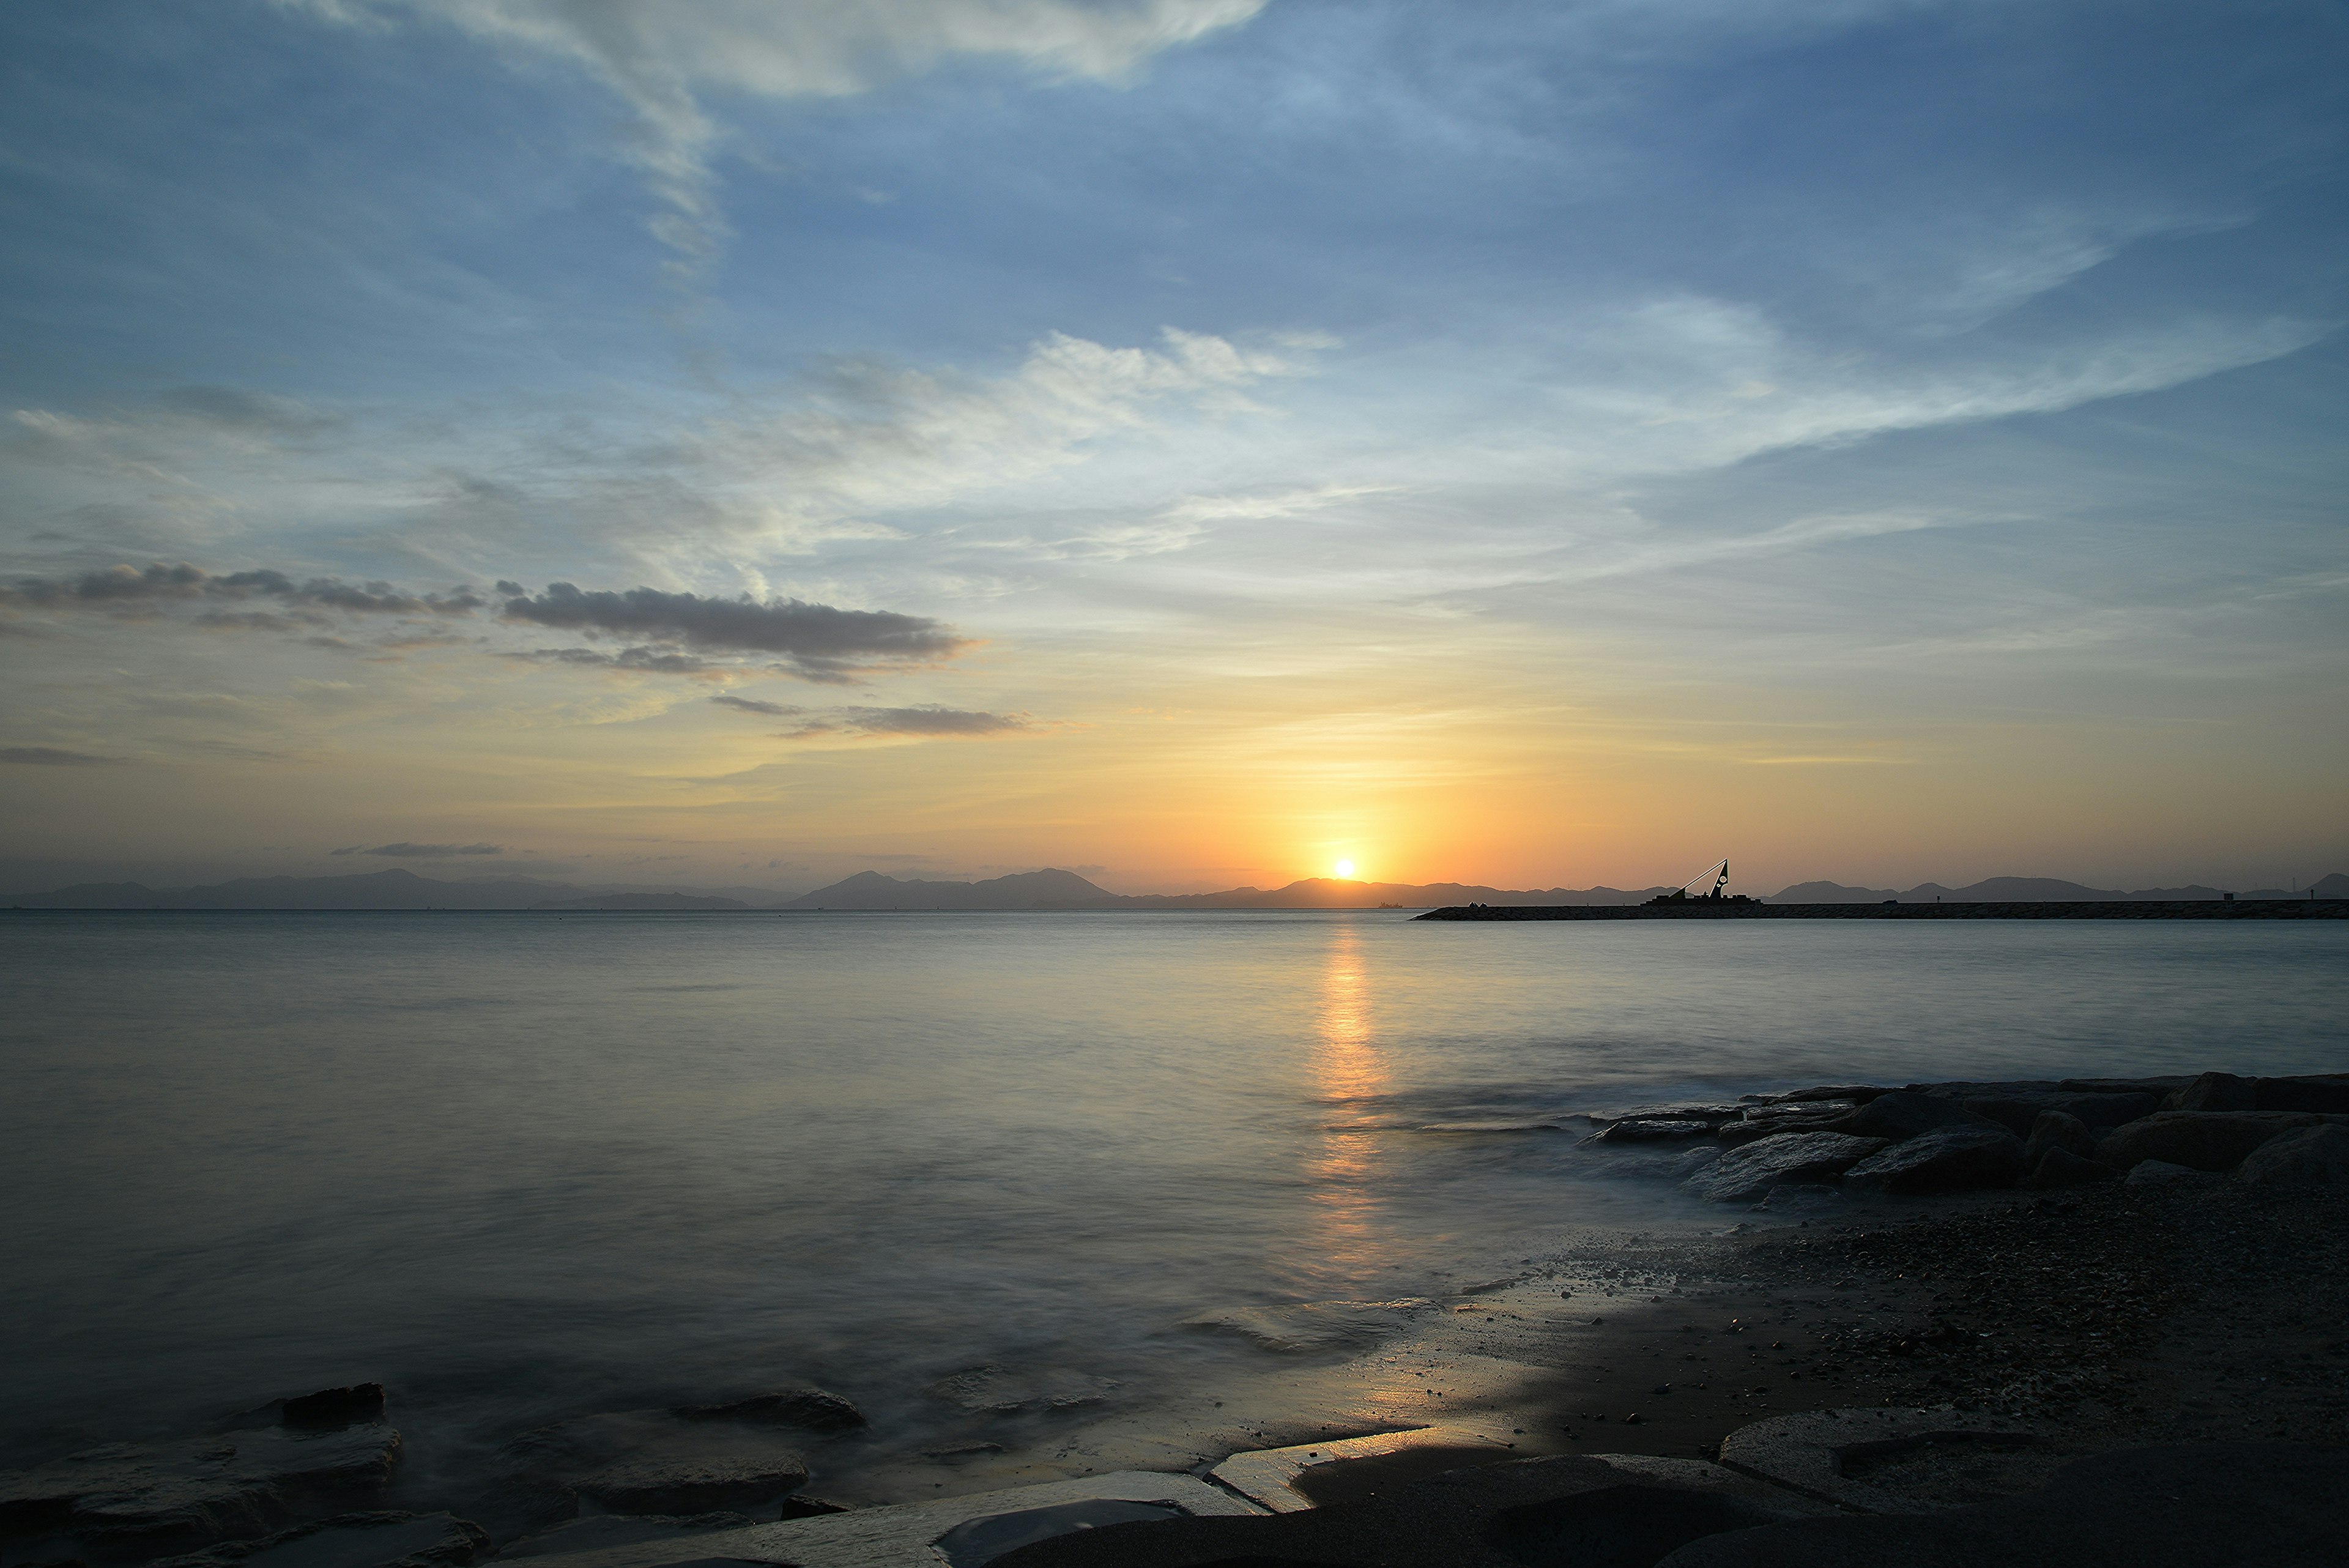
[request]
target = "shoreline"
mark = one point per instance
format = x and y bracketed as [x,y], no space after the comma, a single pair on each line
[2169,1305]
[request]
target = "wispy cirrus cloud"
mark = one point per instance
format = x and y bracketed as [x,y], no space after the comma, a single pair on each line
[664,59]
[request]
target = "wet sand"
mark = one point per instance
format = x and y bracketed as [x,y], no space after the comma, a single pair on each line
[2199,1308]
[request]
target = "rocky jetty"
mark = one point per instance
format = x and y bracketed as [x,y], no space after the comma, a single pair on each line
[2037,1133]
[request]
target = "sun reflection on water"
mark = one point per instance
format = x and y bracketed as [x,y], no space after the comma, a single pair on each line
[1348,1069]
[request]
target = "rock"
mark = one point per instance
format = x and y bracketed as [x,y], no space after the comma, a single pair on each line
[636,1462]
[2146,1171]
[1842,1455]
[1582,1510]
[334,1407]
[1903,1114]
[188,1492]
[2313,1156]
[1947,1159]
[1797,1110]
[1858,1094]
[812,1409]
[2019,1112]
[2058,1166]
[608,1530]
[2158,1087]
[672,1484]
[2327,1092]
[1735,1133]
[800,1505]
[1683,1113]
[1744,1174]
[2100,1111]
[351,1541]
[2215,1091]
[2058,1129]
[2205,1140]
[992,1390]
[1646,1129]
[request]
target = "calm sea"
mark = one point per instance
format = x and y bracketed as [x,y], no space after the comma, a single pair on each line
[520,1167]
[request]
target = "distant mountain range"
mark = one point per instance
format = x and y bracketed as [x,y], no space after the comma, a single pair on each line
[2035,890]
[1067,890]
[870,891]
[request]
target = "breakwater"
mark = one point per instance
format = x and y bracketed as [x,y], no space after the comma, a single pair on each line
[2104,910]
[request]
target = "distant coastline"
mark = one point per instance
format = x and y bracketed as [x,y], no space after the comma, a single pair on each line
[1051,889]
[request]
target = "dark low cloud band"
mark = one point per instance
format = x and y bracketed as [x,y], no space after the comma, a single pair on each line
[817,640]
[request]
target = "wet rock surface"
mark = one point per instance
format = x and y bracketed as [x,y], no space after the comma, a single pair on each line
[1965,1136]
[604,1530]
[1578,1509]
[331,1407]
[382,1540]
[2314,1156]
[2060,1167]
[1906,1115]
[136,1499]
[1747,1172]
[2201,1140]
[638,1463]
[1947,1159]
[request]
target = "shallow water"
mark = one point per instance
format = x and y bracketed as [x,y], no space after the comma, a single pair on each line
[523,1166]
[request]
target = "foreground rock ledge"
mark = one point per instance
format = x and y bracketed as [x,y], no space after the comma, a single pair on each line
[1971,1137]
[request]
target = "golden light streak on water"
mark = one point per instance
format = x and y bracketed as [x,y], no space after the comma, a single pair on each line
[1347,1068]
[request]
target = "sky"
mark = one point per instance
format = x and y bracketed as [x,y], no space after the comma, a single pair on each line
[706,442]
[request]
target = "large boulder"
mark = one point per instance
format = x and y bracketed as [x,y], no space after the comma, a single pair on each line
[2324,1093]
[2313,1156]
[2058,1166]
[1746,1173]
[2202,1140]
[2058,1129]
[1744,1132]
[2157,1172]
[2018,1112]
[2215,1091]
[2153,1086]
[1947,1159]
[1903,1114]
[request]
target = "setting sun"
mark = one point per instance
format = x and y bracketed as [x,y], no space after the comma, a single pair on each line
[1345,869]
